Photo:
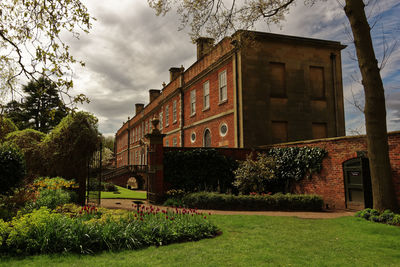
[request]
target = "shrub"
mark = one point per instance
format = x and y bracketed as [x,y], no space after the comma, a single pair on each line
[198,169]
[51,198]
[29,141]
[108,187]
[12,167]
[205,200]
[3,232]
[295,163]
[255,175]
[44,231]
[373,215]
[6,126]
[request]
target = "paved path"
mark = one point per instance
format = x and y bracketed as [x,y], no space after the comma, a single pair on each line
[127,204]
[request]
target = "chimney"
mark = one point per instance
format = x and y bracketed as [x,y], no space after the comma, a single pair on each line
[204,45]
[139,107]
[154,93]
[174,73]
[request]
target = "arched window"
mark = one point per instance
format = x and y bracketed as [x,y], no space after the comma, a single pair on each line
[207,138]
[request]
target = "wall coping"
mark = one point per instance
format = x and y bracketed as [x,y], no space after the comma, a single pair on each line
[331,139]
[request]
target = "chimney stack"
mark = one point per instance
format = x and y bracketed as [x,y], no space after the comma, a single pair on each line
[174,73]
[139,107]
[204,45]
[154,93]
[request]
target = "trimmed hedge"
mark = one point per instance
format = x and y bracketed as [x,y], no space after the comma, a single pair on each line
[205,200]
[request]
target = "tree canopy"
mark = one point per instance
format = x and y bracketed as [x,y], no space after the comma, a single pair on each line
[31,40]
[42,108]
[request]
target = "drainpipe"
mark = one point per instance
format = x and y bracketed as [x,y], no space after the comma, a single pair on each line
[333,67]
[182,122]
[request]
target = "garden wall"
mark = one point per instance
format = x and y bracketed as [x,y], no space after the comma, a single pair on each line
[330,182]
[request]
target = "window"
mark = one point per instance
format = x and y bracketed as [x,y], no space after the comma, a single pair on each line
[147,127]
[142,129]
[132,136]
[206,95]
[222,87]
[279,130]
[166,116]
[193,102]
[139,131]
[174,118]
[277,79]
[207,138]
[161,120]
[174,142]
[150,126]
[319,130]
[193,137]
[317,82]
[166,143]
[223,129]
[136,157]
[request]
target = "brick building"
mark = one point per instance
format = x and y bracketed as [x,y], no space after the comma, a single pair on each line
[250,89]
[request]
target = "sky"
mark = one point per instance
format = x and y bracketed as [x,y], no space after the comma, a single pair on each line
[130,50]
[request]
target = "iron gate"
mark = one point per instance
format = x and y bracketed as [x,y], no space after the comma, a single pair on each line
[93,181]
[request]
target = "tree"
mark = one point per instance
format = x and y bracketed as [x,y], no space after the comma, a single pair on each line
[31,42]
[218,17]
[69,146]
[42,109]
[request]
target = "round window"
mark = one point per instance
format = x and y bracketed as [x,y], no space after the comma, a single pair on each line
[193,137]
[223,129]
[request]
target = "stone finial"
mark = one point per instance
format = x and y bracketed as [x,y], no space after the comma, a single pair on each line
[155,123]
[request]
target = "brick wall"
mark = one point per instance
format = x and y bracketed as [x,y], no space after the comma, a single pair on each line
[329,183]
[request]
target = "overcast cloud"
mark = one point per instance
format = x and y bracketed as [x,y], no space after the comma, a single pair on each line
[130,50]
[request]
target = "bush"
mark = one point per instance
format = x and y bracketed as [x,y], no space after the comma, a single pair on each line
[6,126]
[108,187]
[205,200]
[51,198]
[295,163]
[255,175]
[44,231]
[12,167]
[373,215]
[198,169]
[29,141]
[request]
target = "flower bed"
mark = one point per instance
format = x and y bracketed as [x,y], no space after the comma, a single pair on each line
[206,200]
[88,230]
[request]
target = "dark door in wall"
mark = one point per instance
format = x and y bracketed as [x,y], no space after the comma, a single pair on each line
[357,182]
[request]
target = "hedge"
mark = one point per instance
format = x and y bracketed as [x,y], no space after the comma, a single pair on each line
[290,202]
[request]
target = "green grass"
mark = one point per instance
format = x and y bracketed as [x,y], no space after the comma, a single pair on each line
[124,193]
[257,241]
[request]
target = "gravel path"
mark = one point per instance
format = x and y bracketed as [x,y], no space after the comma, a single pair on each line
[127,204]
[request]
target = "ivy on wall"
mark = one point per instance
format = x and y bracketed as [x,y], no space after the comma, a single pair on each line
[295,163]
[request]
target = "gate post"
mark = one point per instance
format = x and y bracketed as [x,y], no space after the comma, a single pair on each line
[155,186]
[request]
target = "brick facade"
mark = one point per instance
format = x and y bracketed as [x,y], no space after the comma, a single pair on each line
[243,75]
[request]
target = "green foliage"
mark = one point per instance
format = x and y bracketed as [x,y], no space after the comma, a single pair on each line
[6,126]
[3,231]
[295,163]
[44,231]
[206,200]
[198,169]
[29,141]
[51,198]
[68,146]
[108,187]
[255,175]
[373,215]
[12,167]
[42,109]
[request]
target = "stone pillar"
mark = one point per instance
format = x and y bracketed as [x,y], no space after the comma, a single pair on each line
[155,186]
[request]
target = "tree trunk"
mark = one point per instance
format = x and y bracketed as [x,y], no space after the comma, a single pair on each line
[384,196]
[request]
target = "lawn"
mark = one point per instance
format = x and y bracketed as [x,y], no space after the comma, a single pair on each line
[124,193]
[257,241]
